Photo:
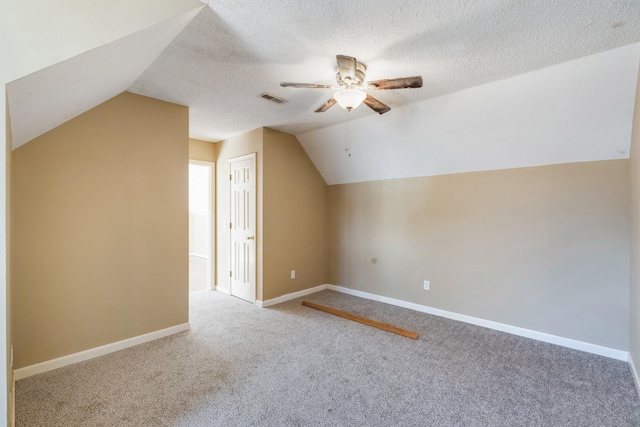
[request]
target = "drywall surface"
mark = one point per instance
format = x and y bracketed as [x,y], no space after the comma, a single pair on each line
[100,237]
[236,49]
[573,112]
[544,248]
[635,233]
[291,212]
[6,337]
[250,142]
[295,218]
[37,35]
[204,151]
[43,100]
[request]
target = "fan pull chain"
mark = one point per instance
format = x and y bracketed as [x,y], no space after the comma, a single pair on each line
[348,132]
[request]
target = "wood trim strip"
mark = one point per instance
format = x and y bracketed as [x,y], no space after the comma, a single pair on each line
[362,320]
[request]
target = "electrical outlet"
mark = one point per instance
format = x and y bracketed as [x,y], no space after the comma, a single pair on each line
[293,274]
[426,285]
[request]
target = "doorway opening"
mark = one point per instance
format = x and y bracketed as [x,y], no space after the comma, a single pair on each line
[201,228]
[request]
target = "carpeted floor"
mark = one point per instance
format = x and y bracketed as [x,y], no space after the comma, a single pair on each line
[290,365]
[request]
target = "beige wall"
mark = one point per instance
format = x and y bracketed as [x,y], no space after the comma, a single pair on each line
[250,142]
[202,150]
[295,218]
[635,233]
[292,220]
[542,248]
[99,247]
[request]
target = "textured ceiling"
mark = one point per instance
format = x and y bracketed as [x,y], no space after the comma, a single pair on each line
[232,51]
[43,100]
[577,111]
[36,34]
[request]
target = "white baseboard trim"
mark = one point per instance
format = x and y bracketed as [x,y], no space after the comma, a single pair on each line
[199,256]
[634,372]
[288,297]
[515,330]
[50,365]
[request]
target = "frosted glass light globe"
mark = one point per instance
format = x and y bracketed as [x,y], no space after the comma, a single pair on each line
[350,98]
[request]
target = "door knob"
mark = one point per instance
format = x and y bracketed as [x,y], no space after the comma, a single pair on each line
[250,237]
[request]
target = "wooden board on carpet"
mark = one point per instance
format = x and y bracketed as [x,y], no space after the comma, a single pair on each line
[362,320]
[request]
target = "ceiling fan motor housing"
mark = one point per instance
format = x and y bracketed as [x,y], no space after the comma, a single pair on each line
[357,80]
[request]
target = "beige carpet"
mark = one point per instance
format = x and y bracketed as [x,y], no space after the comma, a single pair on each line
[290,365]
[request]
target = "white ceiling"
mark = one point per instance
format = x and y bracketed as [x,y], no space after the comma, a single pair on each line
[577,111]
[37,34]
[236,49]
[500,89]
[43,100]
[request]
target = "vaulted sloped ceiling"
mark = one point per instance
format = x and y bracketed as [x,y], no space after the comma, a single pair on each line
[36,34]
[506,84]
[49,97]
[581,110]
[236,49]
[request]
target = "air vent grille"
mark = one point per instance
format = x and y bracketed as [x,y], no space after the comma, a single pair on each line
[273,98]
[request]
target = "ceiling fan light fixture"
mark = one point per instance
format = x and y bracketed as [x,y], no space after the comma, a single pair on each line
[350,98]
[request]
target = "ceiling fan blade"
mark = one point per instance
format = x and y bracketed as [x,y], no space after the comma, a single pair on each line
[346,67]
[399,83]
[376,105]
[330,103]
[306,85]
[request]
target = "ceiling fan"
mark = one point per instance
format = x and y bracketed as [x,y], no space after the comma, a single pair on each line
[351,86]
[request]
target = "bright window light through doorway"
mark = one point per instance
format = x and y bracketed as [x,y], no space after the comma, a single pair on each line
[199,227]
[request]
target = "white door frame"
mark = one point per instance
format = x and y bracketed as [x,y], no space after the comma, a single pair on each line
[251,156]
[212,222]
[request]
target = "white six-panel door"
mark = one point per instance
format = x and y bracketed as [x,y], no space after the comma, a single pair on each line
[243,227]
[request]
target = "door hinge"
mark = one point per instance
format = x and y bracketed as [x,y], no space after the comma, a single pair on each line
[230,178]
[231,274]
[230,225]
